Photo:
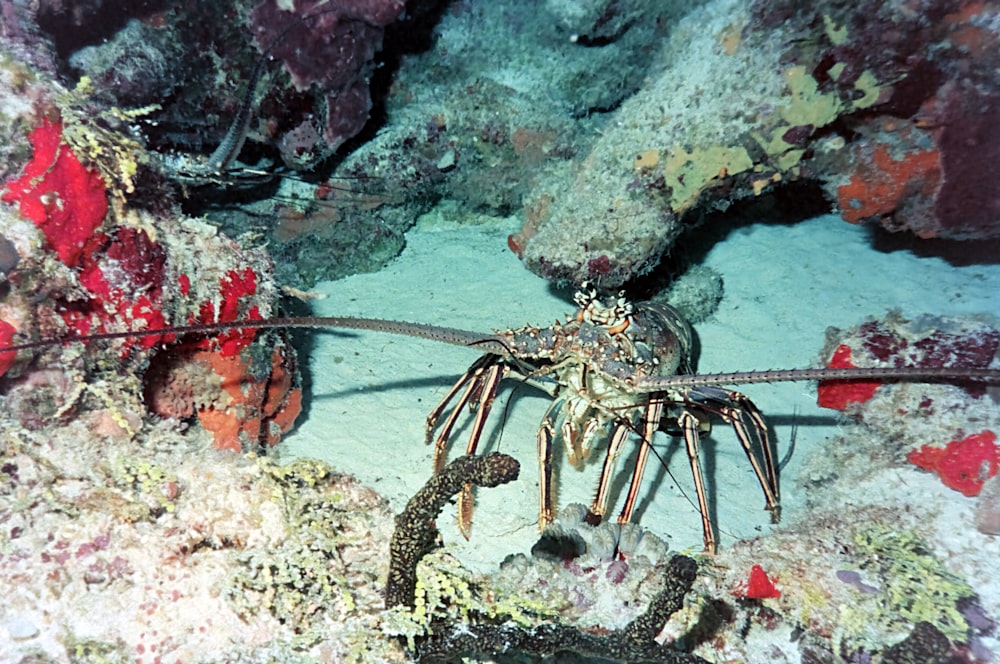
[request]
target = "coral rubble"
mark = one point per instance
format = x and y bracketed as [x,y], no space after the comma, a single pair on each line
[214,558]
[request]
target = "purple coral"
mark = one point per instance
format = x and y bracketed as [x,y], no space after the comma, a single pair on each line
[332,46]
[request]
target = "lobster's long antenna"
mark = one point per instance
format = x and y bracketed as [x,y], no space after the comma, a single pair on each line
[492,343]
[448,335]
[881,374]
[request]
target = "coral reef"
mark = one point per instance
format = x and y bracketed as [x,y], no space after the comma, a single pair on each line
[635,643]
[915,586]
[232,558]
[851,583]
[220,558]
[925,643]
[84,266]
[183,81]
[168,57]
[244,401]
[241,558]
[650,119]
[757,586]
[821,92]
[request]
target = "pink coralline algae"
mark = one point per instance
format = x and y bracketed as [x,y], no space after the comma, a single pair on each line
[64,198]
[963,465]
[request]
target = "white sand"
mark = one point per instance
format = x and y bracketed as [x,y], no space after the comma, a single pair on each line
[785,284]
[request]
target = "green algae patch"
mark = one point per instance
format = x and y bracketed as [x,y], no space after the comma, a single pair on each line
[915,585]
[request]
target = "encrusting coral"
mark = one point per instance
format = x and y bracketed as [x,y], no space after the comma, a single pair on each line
[783,91]
[634,643]
[415,532]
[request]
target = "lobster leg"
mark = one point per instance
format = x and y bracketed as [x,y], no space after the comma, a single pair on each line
[481,381]
[768,475]
[690,425]
[600,504]
[745,418]
[650,423]
[486,385]
[546,432]
[471,380]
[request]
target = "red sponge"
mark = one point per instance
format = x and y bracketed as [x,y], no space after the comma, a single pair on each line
[963,465]
[837,394]
[6,336]
[63,197]
[758,586]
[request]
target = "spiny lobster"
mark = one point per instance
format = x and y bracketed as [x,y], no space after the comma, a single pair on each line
[613,369]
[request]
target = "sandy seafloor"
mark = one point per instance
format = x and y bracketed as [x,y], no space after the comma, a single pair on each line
[784,285]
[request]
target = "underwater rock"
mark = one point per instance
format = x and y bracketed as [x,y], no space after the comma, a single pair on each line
[599,575]
[696,293]
[477,119]
[925,644]
[987,517]
[784,91]
[137,66]
[926,341]
[328,48]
